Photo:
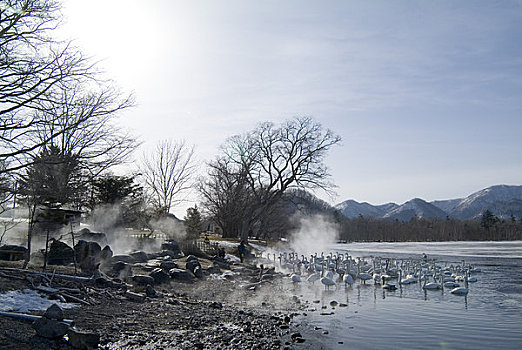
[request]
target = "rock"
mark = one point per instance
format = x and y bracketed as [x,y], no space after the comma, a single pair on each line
[106,253]
[87,235]
[54,312]
[121,267]
[59,253]
[123,257]
[50,329]
[83,340]
[198,272]
[143,279]
[169,253]
[150,292]
[192,264]
[172,246]
[160,276]
[180,274]
[84,250]
[89,264]
[192,257]
[214,268]
[135,296]
[216,305]
[139,256]
[168,264]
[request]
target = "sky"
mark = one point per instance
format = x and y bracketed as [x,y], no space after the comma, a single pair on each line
[427,95]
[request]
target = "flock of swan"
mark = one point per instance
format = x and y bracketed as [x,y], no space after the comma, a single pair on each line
[339,268]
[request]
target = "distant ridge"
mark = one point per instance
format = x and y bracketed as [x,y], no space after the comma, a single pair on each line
[503,200]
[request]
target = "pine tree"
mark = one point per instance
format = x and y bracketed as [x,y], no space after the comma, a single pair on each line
[193,223]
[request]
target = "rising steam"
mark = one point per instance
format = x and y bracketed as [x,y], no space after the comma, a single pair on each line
[314,234]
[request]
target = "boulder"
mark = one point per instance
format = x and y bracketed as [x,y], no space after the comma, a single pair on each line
[172,246]
[198,272]
[142,279]
[166,252]
[83,340]
[51,329]
[139,256]
[192,257]
[52,325]
[87,235]
[150,292]
[87,255]
[160,276]
[54,312]
[192,264]
[215,269]
[180,274]
[106,253]
[168,264]
[59,253]
[124,258]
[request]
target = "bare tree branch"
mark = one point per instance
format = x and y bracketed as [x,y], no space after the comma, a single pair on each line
[168,173]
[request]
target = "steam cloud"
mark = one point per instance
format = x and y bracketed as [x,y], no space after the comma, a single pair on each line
[315,233]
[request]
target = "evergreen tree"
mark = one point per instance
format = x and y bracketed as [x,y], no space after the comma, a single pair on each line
[52,179]
[193,223]
[488,220]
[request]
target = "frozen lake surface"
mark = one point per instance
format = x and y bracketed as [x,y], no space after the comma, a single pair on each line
[489,317]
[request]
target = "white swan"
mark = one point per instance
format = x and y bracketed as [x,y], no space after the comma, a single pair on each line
[328,282]
[348,279]
[295,278]
[314,277]
[461,290]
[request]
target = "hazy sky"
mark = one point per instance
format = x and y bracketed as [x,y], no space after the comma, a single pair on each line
[426,95]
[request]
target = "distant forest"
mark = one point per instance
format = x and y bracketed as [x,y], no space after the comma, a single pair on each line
[488,228]
[367,229]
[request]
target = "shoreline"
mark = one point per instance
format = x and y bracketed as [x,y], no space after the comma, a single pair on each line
[204,314]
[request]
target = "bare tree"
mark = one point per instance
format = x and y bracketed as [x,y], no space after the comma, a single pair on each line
[34,69]
[84,125]
[226,195]
[168,173]
[278,158]
[7,198]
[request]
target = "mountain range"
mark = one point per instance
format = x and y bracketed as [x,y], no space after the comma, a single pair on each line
[502,200]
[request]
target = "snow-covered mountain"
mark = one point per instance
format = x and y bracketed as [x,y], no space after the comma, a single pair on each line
[352,209]
[503,200]
[494,198]
[415,207]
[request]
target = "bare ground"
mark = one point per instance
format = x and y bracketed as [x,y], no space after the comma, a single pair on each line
[205,314]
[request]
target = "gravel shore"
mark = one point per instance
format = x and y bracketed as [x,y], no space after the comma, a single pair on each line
[204,314]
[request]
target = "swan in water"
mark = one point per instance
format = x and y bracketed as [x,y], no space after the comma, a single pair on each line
[348,279]
[387,286]
[431,285]
[328,282]
[314,277]
[295,278]
[461,290]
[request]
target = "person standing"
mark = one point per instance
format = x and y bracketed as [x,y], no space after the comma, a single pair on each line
[241,251]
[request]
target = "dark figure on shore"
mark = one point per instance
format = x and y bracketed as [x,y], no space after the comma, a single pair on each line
[221,252]
[241,251]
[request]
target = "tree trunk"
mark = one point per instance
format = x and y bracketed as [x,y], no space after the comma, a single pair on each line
[32,212]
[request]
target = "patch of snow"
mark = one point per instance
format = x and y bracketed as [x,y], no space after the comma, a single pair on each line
[261,248]
[28,300]
[227,244]
[232,258]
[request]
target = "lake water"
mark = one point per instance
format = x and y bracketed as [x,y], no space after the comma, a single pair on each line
[489,317]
